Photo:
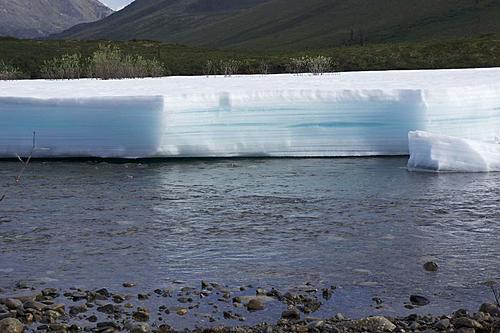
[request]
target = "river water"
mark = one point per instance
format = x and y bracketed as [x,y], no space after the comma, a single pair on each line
[365,225]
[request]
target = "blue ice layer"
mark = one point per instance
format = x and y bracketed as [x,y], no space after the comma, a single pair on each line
[294,124]
[126,127]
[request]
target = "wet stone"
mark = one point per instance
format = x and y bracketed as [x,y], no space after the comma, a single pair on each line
[442,324]
[11,325]
[255,304]
[141,315]
[74,310]
[13,303]
[374,324]
[140,328]
[489,308]
[108,308]
[291,314]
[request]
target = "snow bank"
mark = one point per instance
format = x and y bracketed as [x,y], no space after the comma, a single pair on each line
[351,114]
[435,152]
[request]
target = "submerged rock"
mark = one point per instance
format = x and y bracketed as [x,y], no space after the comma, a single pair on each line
[431,266]
[255,304]
[419,300]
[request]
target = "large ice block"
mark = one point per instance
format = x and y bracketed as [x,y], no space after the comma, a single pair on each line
[346,114]
[116,127]
[435,152]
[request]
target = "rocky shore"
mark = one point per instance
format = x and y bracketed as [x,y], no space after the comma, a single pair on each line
[214,308]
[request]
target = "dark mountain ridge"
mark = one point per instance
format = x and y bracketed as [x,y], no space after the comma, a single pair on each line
[39,18]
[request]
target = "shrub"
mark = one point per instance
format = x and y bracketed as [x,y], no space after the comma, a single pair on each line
[108,63]
[315,65]
[66,67]
[209,68]
[222,67]
[9,72]
[319,65]
[229,67]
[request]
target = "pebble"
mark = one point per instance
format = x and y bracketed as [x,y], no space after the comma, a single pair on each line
[140,328]
[141,314]
[11,325]
[466,322]
[74,310]
[182,312]
[375,324]
[442,324]
[13,303]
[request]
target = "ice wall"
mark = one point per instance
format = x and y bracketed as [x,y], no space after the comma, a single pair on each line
[303,123]
[348,114]
[126,127]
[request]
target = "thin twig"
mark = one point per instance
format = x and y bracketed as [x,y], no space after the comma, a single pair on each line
[495,293]
[25,164]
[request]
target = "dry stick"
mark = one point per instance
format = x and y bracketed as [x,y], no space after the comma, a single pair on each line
[25,164]
[495,293]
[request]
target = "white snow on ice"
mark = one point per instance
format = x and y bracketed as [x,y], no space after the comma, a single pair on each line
[347,114]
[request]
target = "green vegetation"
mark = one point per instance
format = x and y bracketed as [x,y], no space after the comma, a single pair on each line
[291,25]
[9,72]
[107,62]
[53,59]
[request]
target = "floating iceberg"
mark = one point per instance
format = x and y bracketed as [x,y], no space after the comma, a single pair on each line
[435,152]
[347,114]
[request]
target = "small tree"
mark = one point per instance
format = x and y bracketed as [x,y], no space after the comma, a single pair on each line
[229,67]
[209,68]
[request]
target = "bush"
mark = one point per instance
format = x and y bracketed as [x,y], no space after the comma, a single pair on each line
[66,67]
[306,64]
[108,63]
[9,72]
[222,67]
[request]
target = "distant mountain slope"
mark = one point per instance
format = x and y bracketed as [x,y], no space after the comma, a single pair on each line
[38,18]
[294,24]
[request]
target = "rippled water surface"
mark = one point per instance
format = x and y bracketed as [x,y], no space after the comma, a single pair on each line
[364,225]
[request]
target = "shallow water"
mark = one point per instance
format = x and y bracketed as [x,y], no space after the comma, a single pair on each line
[365,225]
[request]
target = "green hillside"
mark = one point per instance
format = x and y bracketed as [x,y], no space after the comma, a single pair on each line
[295,24]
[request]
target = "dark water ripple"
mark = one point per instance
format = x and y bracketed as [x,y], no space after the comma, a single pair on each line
[365,225]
